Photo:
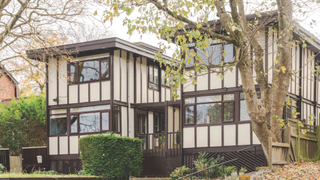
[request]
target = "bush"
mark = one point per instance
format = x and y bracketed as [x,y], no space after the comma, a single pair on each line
[180,172]
[111,156]
[227,170]
[203,162]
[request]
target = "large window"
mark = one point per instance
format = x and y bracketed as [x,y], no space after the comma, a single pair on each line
[209,109]
[153,76]
[212,55]
[89,119]
[84,71]
[58,125]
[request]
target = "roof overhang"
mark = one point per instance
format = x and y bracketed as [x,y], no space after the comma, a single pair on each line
[96,45]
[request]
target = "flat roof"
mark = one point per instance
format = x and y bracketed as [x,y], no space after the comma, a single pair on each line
[83,48]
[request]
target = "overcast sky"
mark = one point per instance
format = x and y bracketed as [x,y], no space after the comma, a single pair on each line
[121,31]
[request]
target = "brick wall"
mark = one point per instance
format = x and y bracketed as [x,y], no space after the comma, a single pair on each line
[7,89]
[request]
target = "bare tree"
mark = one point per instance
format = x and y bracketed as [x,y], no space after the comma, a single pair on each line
[34,24]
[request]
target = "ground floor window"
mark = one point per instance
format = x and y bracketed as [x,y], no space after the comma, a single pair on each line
[209,109]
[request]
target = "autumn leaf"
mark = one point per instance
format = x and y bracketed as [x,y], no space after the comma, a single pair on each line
[283,69]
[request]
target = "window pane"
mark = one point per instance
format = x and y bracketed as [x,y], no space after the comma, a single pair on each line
[189,100]
[105,68]
[58,125]
[211,55]
[208,98]
[209,113]
[229,53]
[89,70]
[163,123]
[244,116]
[73,72]
[156,122]
[58,111]
[189,111]
[156,78]
[74,124]
[153,86]
[189,58]
[116,123]
[105,121]
[151,73]
[90,108]
[142,124]
[89,122]
[228,111]
[228,97]
[163,79]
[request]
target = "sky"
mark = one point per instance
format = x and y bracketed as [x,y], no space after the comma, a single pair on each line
[149,38]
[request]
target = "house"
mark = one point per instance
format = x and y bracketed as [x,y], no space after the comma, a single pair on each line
[9,86]
[115,85]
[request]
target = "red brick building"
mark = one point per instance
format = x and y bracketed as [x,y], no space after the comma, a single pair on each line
[8,86]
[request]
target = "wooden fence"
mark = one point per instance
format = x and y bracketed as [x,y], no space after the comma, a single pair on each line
[302,141]
[29,158]
[4,158]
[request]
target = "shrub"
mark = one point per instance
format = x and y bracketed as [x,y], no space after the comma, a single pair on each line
[203,162]
[111,156]
[227,170]
[180,172]
[81,173]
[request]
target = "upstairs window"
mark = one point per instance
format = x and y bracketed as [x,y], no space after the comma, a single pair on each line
[212,55]
[153,76]
[84,71]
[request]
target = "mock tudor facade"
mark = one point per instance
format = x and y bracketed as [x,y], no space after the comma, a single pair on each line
[115,85]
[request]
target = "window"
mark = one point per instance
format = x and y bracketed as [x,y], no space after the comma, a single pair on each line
[212,55]
[209,109]
[153,76]
[164,80]
[142,122]
[89,122]
[58,125]
[159,122]
[84,71]
[244,116]
[89,119]
[290,109]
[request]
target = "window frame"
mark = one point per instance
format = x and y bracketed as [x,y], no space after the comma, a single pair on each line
[113,124]
[212,65]
[159,84]
[222,101]
[58,114]
[78,72]
[86,112]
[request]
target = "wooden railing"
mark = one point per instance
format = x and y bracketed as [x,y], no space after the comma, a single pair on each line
[157,144]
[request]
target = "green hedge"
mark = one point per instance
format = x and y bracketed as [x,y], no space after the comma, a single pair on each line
[111,156]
